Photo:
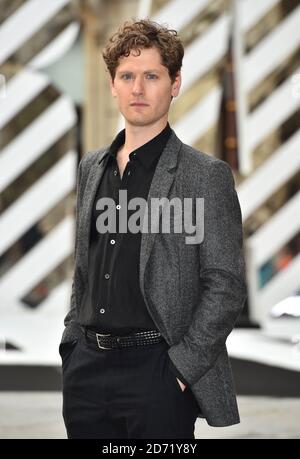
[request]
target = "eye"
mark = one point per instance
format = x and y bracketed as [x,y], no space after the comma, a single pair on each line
[152,76]
[124,77]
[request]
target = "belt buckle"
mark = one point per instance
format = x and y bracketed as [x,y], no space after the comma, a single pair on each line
[97,337]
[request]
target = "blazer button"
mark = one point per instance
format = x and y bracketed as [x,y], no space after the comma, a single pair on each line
[102,310]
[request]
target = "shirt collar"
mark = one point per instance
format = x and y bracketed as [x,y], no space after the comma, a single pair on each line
[147,153]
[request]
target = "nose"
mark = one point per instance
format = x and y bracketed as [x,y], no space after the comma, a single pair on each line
[137,88]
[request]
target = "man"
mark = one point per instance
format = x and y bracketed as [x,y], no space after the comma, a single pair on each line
[143,351]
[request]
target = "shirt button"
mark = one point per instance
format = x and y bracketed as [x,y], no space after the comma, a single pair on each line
[128,172]
[107,276]
[102,310]
[115,172]
[112,241]
[118,206]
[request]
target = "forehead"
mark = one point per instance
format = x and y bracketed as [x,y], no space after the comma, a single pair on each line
[149,58]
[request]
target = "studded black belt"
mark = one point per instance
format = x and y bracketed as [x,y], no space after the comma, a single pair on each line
[110,341]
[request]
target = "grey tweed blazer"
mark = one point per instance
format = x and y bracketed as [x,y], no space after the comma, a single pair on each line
[194,292]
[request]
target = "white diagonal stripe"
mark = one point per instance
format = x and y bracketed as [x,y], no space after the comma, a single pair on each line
[43,132]
[38,200]
[20,91]
[205,52]
[278,230]
[56,48]
[272,174]
[252,11]
[177,14]
[263,60]
[39,261]
[26,21]
[271,113]
[200,118]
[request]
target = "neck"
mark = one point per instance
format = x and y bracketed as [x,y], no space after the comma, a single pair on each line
[136,136]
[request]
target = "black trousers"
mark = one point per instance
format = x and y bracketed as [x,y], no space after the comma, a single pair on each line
[124,393]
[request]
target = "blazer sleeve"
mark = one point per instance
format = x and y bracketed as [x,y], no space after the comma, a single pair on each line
[71,330]
[221,274]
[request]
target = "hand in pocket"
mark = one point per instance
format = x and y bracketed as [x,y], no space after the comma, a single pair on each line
[182,386]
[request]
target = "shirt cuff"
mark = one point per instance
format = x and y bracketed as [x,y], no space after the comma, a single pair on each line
[176,372]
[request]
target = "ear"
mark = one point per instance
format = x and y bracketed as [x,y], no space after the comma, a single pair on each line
[112,87]
[176,85]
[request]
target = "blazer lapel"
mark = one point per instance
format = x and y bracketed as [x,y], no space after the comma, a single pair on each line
[93,180]
[161,183]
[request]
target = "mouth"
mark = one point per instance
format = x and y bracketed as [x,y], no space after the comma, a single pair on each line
[138,104]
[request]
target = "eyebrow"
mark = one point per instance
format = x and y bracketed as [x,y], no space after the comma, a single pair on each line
[146,71]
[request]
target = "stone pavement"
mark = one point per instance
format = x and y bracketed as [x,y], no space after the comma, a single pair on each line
[38,415]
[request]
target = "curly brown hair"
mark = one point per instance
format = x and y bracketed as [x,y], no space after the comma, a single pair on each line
[144,33]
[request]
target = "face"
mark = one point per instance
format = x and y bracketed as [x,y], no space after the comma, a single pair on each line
[144,80]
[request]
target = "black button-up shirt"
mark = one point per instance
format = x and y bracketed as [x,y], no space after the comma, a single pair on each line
[113,302]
